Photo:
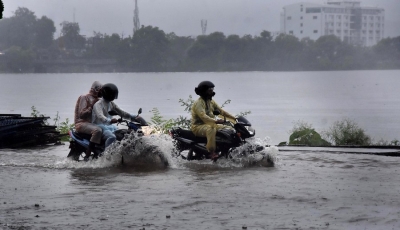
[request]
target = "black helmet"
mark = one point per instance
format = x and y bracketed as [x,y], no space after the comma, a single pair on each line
[203,87]
[109,91]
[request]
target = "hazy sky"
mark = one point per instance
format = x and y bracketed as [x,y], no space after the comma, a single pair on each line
[180,16]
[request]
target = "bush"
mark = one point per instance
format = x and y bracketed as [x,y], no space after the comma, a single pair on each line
[347,132]
[304,134]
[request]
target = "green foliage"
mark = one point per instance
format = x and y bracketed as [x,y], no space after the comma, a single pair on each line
[158,123]
[71,39]
[149,45]
[63,127]
[36,113]
[347,132]
[19,60]
[304,134]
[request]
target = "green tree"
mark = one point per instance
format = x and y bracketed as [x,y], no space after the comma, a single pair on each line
[149,47]
[19,60]
[205,54]
[347,132]
[287,53]
[71,39]
[387,52]
[177,51]
[19,29]
[44,32]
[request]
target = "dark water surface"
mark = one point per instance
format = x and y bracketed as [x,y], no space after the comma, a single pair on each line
[307,189]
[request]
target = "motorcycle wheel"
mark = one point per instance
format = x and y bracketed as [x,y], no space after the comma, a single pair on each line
[75,151]
[74,155]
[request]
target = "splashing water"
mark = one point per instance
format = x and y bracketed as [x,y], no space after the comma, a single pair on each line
[141,152]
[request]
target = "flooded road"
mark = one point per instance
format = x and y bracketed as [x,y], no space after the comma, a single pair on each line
[41,189]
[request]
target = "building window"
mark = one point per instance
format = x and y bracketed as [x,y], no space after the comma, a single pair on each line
[315,17]
[301,9]
[339,24]
[315,31]
[338,31]
[339,17]
[291,32]
[371,25]
[301,24]
[301,31]
[289,18]
[301,17]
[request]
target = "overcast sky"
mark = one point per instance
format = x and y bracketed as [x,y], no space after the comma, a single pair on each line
[180,16]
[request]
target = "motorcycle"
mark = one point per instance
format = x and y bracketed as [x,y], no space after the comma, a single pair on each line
[227,140]
[80,142]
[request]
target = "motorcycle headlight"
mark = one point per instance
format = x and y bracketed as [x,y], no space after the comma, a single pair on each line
[251,130]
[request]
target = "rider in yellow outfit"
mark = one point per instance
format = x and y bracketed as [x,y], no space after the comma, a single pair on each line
[203,123]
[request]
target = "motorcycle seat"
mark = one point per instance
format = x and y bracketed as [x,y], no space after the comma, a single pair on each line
[82,136]
[188,134]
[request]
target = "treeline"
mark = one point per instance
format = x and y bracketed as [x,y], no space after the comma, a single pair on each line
[27,44]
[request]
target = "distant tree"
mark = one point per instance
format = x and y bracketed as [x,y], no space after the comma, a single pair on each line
[287,53]
[149,47]
[24,30]
[19,30]
[177,51]
[387,52]
[19,60]
[44,31]
[71,39]
[205,54]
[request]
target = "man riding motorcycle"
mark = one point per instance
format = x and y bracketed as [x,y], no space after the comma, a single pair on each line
[101,116]
[203,123]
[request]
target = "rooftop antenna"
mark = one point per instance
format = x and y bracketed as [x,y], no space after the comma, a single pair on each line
[136,23]
[203,26]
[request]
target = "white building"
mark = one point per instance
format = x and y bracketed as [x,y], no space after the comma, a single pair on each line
[345,19]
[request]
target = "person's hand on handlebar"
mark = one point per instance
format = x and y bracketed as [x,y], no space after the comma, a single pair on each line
[114,120]
[219,121]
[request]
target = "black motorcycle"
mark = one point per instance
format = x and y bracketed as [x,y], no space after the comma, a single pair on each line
[80,142]
[226,140]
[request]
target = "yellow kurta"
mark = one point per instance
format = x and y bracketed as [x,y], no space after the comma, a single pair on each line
[203,122]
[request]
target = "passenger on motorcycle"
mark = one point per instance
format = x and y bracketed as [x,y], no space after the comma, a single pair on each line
[83,116]
[203,123]
[100,113]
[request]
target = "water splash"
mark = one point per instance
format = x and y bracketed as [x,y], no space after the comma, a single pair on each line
[140,152]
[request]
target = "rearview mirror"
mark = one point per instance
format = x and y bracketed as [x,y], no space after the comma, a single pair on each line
[140,111]
[216,112]
[112,113]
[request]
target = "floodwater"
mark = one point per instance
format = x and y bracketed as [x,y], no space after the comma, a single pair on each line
[306,189]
